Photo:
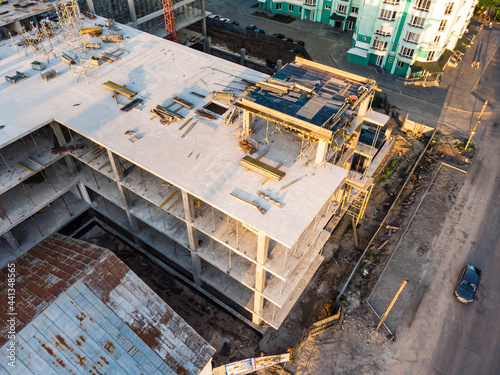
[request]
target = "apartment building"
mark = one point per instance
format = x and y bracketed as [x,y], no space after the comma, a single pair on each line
[396,34]
[226,176]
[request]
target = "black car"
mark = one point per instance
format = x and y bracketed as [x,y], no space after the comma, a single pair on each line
[299,42]
[467,285]
[278,36]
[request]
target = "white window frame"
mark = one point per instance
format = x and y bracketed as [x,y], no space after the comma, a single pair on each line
[404,51]
[290,7]
[392,2]
[311,16]
[387,15]
[442,25]
[279,6]
[341,8]
[418,24]
[411,37]
[431,55]
[310,3]
[350,25]
[355,12]
[380,45]
[328,7]
[380,60]
[449,8]
[400,64]
[423,5]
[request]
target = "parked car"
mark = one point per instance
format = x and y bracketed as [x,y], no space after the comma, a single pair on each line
[288,40]
[214,16]
[225,20]
[259,31]
[278,36]
[467,285]
[234,23]
[251,27]
[299,42]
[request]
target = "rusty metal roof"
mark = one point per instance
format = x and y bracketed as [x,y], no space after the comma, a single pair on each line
[80,310]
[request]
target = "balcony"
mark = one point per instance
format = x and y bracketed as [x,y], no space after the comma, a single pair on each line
[381,33]
[391,2]
[310,3]
[415,25]
[421,9]
[387,19]
[405,56]
[411,41]
[378,48]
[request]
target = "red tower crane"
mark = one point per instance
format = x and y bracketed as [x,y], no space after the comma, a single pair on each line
[168,12]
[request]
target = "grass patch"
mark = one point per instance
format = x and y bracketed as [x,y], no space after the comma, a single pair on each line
[255,5]
[275,17]
[386,173]
[463,142]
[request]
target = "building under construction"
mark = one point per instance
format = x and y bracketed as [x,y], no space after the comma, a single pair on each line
[231,178]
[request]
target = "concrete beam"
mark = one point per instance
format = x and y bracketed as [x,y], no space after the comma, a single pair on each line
[363,106]
[187,200]
[247,122]
[242,56]
[11,240]
[90,4]
[131,7]
[203,21]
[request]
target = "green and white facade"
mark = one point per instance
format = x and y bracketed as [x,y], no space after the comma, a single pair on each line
[395,34]
[390,34]
[337,13]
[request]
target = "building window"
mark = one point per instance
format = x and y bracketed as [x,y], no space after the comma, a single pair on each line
[430,56]
[350,25]
[290,8]
[417,22]
[411,37]
[400,64]
[310,3]
[383,30]
[442,25]
[313,13]
[328,7]
[391,2]
[300,10]
[379,60]
[423,5]
[341,8]
[407,52]
[449,8]
[436,41]
[388,15]
[355,10]
[279,6]
[380,45]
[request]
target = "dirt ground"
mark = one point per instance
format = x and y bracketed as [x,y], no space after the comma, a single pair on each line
[254,49]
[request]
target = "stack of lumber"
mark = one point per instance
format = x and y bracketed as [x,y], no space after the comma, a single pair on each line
[262,168]
[119,89]
[204,113]
[166,116]
[248,146]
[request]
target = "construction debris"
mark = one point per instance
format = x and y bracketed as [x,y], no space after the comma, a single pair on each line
[133,104]
[223,95]
[16,78]
[37,65]
[188,130]
[112,38]
[248,145]
[251,202]
[89,15]
[262,168]
[183,102]
[166,116]
[270,199]
[67,59]
[204,113]
[91,30]
[49,74]
[58,150]
[119,89]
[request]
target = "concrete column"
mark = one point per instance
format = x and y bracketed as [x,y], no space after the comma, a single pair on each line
[70,162]
[242,56]
[118,171]
[131,7]
[134,225]
[279,64]
[363,106]
[260,275]
[187,200]
[84,193]
[321,151]
[11,240]
[247,122]
[90,4]
[203,21]
[206,45]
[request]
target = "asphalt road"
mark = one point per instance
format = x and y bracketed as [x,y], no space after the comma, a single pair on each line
[448,337]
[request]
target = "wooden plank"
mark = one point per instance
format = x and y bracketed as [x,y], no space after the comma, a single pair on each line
[262,168]
[189,129]
[270,199]
[168,112]
[183,102]
[25,167]
[186,123]
[128,107]
[253,203]
[119,89]
[267,179]
[260,156]
[329,69]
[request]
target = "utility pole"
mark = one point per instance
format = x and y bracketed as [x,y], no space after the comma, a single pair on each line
[473,130]
[392,303]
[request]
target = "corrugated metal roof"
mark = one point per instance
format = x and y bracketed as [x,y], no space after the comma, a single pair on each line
[83,311]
